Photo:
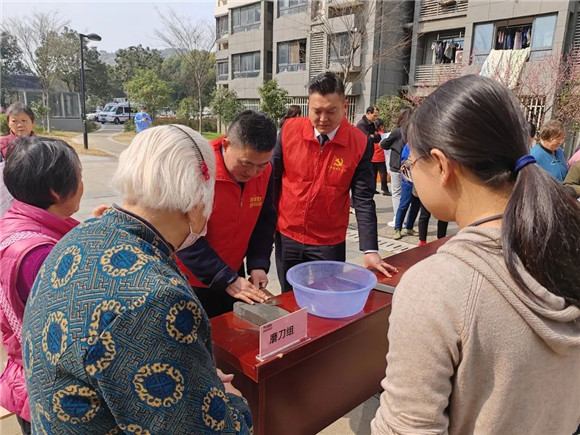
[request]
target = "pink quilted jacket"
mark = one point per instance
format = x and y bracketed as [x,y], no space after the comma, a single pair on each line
[22,228]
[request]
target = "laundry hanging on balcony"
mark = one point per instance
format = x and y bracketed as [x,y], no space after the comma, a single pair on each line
[505,65]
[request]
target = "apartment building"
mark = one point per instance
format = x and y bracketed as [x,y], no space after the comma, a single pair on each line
[293,40]
[453,37]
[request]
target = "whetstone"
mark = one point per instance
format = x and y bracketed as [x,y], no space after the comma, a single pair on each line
[258,314]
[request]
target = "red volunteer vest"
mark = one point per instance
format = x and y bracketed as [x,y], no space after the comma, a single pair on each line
[314,198]
[234,214]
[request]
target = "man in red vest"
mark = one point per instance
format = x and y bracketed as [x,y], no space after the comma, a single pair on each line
[242,222]
[317,160]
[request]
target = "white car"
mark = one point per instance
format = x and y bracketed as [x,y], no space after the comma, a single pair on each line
[93,116]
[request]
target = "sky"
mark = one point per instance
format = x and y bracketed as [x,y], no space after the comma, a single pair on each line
[119,23]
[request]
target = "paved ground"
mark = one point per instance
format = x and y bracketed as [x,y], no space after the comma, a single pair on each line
[97,176]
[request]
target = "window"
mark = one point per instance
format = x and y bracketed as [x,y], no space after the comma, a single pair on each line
[246,65]
[222,70]
[339,47]
[342,10]
[543,34]
[289,7]
[246,18]
[222,27]
[71,105]
[482,41]
[292,56]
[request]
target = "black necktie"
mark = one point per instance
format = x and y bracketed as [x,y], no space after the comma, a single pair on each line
[322,138]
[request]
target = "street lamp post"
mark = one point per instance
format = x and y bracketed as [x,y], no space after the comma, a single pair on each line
[90,37]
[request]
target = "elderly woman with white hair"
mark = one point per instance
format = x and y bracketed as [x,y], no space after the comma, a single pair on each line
[114,338]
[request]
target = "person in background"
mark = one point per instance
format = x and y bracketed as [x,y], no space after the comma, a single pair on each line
[572,180]
[484,335]
[293,111]
[395,143]
[114,338]
[44,177]
[316,162]
[548,153]
[533,131]
[575,158]
[243,220]
[142,120]
[424,217]
[20,119]
[378,161]
[409,200]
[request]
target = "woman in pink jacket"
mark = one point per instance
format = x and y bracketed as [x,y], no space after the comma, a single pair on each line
[44,177]
[20,119]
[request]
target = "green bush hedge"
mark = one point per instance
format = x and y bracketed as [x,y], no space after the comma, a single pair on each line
[129,125]
[4,124]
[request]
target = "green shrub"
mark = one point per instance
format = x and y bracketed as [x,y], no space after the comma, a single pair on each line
[92,126]
[4,124]
[129,125]
[165,120]
[208,124]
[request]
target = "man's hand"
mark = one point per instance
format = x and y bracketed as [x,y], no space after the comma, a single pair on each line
[244,290]
[98,211]
[373,261]
[259,278]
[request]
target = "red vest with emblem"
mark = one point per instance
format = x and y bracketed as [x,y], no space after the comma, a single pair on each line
[234,214]
[314,197]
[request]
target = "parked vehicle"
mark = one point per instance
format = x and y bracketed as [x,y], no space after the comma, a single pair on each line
[93,116]
[116,113]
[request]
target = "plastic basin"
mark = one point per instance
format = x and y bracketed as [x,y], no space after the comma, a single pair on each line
[331,288]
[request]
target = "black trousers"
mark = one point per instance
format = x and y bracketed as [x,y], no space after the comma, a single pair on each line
[381,168]
[424,225]
[215,301]
[289,253]
[25,426]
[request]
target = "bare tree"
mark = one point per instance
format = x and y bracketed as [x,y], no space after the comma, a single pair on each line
[33,34]
[192,41]
[359,35]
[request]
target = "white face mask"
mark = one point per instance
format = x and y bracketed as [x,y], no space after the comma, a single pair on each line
[192,237]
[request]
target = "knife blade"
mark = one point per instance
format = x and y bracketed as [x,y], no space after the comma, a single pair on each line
[272,300]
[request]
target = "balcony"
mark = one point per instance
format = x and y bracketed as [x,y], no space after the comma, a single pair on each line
[434,75]
[432,9]
[291,67]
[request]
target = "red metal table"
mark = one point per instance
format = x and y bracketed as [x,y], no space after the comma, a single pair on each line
[320,380]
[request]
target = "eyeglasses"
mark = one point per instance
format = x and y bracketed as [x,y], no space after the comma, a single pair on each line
[406,168]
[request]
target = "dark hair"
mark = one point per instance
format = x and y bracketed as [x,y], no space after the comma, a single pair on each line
[36,167]
[379,123]
[18,108]
[371,109]
[253,129]
[532,129]
[552,129]
[403,120]
[326,83]
[293,112]
[541,222]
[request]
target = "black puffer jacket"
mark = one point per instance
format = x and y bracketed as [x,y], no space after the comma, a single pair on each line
[395,143]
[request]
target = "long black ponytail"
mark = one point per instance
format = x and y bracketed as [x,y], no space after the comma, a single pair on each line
[477,122]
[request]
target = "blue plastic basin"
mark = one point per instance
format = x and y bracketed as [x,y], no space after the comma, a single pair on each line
[331,288]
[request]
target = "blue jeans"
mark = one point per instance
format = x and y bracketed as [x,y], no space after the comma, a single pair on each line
[407,200]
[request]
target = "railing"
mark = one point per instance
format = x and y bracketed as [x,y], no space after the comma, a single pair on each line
[290,10]
[246,28]
[244,74]
[222,35]
[291,67]
[437,8]
[223,77]
[436,74]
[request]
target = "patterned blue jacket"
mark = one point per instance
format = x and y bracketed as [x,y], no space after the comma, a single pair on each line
[115,340]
